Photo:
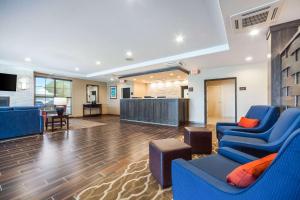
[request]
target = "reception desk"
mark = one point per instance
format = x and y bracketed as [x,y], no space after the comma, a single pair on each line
[171,112]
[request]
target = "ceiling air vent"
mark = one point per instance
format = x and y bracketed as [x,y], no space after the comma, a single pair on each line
[259,16]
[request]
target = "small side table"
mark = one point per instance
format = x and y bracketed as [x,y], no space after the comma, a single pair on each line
[53,117]
[161,154]
[200,139]
[90,107]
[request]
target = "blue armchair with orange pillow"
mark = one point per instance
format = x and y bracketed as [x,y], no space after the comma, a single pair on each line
[205,178]
[261,144]
[266,115]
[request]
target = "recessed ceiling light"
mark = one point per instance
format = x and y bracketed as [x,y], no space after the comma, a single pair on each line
[129,54]
[254,32]
[171,74]
[179,38]
[98,63]
[178,76]
[151,76]
[112,79]
[134,79]
[268,55]
[27,59]
[249,58]
[77,69]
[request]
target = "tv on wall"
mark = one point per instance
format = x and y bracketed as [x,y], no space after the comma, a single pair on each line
[8,82]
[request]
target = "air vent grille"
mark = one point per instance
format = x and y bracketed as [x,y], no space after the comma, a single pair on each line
[259,16]
[255,19]
[274,13]
[236,22]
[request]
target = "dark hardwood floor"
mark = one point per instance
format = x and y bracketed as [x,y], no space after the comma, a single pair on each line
[59,165]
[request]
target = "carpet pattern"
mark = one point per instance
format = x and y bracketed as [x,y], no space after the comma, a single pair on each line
[133,183]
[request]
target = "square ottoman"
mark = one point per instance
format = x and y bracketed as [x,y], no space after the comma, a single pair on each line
[199,138]
[161,154]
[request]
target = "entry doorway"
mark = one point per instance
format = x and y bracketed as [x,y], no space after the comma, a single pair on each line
[125,93]
[185,92]
[220,100]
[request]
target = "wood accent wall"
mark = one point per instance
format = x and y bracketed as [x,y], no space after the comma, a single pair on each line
[279,36]
[290,73]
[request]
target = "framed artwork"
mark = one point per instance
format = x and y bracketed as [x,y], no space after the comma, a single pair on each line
[113,92]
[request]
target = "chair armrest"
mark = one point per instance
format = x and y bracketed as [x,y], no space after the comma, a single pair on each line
[236,155]
[256,147]
[190,183]
[41,124]
[251,130]
[226,124]
[263,135]
[257,129]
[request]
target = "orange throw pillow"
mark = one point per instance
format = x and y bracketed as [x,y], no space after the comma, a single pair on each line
[246,174]
[248,123]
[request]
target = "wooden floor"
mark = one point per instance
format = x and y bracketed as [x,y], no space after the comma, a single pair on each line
[57,166]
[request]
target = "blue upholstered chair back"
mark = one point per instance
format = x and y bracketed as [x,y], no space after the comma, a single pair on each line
[281,179]
[287,123]
[265,114]
[257,112]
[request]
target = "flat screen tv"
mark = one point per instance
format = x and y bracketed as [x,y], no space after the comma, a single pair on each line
[8,82]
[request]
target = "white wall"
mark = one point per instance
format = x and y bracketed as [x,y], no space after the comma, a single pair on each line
[172,90]
[26,97]
[252,76]
[139,89]
[20,97]
[113,105]
[79,95]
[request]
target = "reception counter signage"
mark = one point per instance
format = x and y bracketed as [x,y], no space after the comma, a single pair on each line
[113,92]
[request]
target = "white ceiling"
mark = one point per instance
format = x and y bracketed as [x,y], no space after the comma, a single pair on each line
[241,44]
[61,35]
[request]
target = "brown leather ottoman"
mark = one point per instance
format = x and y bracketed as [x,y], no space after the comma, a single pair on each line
[199,138]
[161,154]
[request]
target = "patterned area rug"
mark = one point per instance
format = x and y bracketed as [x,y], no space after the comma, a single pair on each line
[133,183]
[75,124]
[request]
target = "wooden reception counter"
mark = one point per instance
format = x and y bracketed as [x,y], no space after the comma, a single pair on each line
[171,112]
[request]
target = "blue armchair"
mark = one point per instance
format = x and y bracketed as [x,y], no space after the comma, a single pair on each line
[267,115]
[205,178]
[20,121]
[260,144]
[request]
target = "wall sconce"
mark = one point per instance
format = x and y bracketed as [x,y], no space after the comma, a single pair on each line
[23,83]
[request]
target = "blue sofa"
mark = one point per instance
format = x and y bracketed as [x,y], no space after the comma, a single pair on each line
[205,178]
[260,144]
[20,121]
[267,116]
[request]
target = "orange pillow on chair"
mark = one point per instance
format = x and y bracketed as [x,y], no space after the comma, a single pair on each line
[246,174]
[248,123]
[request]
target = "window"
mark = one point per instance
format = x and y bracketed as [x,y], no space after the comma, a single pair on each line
[48,88]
